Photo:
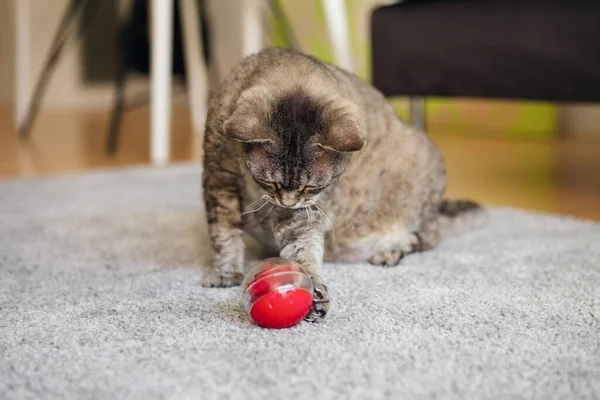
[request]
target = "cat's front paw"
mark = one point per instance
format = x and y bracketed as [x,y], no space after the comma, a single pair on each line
[220,280]
[320,306]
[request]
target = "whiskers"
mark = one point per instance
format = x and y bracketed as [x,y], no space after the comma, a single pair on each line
[268,212]
[309,215]
[311,218]
[267,200]
[253,203]
[308,209]
[257,209]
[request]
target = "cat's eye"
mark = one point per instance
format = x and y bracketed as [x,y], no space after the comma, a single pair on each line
[312,188]
[269,185]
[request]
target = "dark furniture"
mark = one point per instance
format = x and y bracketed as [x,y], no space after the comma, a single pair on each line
[520,49]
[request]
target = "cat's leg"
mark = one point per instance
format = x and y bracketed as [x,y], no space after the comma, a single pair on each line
[451,216]
[225,231]
[301,239]
[390,249]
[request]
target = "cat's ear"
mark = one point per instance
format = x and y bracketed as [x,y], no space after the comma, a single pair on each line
[245,126]
[343,136]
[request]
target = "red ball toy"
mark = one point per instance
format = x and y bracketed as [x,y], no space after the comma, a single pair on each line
[277,293]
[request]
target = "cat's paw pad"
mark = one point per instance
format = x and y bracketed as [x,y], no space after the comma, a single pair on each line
[387,258]
[216,280]
[320,306]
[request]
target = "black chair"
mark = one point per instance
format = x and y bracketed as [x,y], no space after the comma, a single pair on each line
[504,49]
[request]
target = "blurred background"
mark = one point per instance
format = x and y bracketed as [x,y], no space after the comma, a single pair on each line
[509,90]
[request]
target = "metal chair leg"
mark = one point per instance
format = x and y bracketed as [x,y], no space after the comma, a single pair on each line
[417,112]
[112,141]
[60,39]
[122,45]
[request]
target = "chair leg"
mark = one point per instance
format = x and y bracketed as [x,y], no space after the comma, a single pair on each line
[417,112]
[195,68]
[22,62]
[60,38]
[118,105]
[160,71]
[336,19]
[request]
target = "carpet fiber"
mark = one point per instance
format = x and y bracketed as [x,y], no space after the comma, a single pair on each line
[100,298]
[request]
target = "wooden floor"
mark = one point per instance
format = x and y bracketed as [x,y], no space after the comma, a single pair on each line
[551,176]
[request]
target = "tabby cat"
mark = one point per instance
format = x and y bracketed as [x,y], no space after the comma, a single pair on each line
[315,164]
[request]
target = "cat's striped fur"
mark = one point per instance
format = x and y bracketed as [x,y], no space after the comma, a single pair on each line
[295,138]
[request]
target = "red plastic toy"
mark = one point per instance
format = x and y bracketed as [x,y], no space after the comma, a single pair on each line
[277,293]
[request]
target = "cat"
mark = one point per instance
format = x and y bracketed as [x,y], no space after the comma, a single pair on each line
[316,165]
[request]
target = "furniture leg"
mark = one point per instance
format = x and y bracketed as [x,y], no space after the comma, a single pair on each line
[417,112]
[196,75]
[336,17]
[160,71]
[26,116]
[120,82]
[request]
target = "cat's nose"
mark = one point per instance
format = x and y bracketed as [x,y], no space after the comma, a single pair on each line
[288,199]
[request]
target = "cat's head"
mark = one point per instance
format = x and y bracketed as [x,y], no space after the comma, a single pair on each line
[295,146]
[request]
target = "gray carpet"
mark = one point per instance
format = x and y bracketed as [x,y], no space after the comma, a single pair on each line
[100,298]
